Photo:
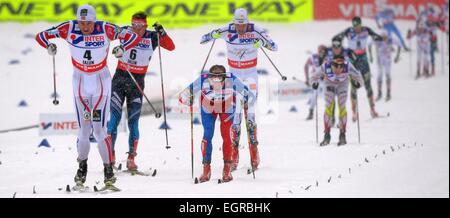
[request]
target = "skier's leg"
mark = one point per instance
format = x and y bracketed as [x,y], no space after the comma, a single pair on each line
[312,104]
[380,78]
[134,105]
[83,111]
[353,96]
[329,94]
[117,100]
[208,122]
[236,134]
[387,70]
[225,129]
[342,92]
[420,57]
[396,31]
[100,114]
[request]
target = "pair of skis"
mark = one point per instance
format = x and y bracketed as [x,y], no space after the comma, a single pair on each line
[81,188]
[137,172]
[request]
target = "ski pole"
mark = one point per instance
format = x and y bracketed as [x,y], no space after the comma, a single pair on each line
[157,114]
[162,91]
[357,118]
[317,116]
[284,78]
[410,57]
[55,101]
[191,111]
[442,53]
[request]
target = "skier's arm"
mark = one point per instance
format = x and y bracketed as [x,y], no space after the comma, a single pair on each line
[215,34]
[266,40]
[354,74]
[378,17]
[374,35]
[164,39]
[187,95]
[370,52]
[318,75]
[60,31]
[128,39]
[306,68]
[340,36]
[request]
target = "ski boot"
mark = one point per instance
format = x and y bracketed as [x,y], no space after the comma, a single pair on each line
[206,176]
[388,96]
[342,139]
[417,74]
[227,177]
[80,177]
[131,165]
[234,158]
[310,114]
[326,139]
[379,96]
[373,113]
[110,179]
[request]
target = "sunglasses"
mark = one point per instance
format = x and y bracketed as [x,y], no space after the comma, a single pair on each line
[339,66]
[138,25]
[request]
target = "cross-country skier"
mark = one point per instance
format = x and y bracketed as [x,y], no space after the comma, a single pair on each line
[385,19]
[358,37]
[384,61]
[243,40]
[337,49]
[135,61]
[89,41]
[221,94]
[423,35]
[335,76]
[313,62]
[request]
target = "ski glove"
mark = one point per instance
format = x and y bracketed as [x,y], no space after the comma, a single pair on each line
[186,97]
[51,49]
[315,85]
[215,34]
[258,43]
[355,84]
[118,51]
[159,29]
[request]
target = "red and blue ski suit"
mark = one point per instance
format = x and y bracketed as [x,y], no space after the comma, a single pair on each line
[218,100]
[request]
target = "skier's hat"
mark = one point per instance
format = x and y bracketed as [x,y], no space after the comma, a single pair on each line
[336,43]
[86,13]
[356,21]
[339,59]
[217,70]
[241,16]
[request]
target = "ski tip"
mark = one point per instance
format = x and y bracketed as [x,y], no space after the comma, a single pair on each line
[154,173]
[196,180]
[68,188]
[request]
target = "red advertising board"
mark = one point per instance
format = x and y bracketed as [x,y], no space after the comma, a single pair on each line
[346,9]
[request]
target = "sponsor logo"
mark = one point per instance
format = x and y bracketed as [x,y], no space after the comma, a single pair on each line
[46,125]
[173,14]
[97,116]
[61,125]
